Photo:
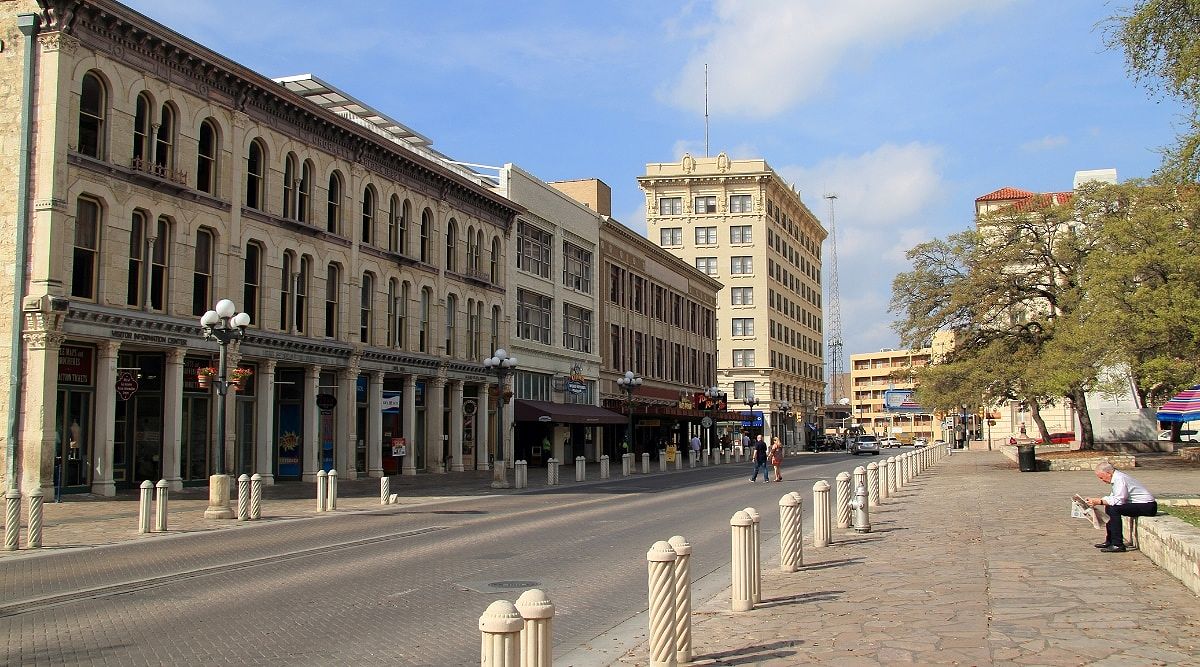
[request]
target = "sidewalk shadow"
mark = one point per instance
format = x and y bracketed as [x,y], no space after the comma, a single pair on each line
[750,655]
[825,565]
[817,596]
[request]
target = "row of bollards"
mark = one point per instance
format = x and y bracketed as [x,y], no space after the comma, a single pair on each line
[517,635]
[670,593]
[326,491]
[250,489]
[521,474]
[152,506]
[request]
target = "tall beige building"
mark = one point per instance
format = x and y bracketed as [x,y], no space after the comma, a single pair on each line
[879,384]
[740,223]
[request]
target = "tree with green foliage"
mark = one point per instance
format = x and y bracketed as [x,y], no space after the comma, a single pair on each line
[1161,41]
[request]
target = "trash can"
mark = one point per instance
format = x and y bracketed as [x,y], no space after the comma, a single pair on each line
[1026,458]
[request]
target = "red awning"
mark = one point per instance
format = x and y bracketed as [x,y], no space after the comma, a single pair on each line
[564,413]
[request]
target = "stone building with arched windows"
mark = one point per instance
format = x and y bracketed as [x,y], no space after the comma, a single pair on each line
[162,177]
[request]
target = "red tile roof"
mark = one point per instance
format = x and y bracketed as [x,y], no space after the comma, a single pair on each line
[1005,193]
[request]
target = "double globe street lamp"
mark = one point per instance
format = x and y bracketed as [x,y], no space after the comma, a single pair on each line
[501,364]
[713,394]
[785,413]
[222,324]
[628,383]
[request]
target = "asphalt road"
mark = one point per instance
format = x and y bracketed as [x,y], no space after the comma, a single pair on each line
[394,586]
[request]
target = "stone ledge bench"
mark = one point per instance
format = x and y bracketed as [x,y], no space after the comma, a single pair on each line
[1173,545]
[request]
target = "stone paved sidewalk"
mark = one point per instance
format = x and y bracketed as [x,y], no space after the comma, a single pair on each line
[973,563]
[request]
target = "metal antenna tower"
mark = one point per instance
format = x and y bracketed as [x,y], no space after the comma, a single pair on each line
[834,320]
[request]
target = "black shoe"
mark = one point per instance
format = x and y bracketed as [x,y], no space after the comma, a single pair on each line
[1101,545]
[1113,550]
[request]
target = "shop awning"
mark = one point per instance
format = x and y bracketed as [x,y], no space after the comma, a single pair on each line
[564,413]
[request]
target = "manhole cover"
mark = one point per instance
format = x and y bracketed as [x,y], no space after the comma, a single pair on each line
[513,584]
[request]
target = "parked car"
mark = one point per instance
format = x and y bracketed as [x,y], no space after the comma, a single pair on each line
[1062,437]
[920,442]
[864,444]
[890,442]
[1186,435]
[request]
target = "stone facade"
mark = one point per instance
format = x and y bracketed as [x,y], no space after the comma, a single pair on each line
[165,177]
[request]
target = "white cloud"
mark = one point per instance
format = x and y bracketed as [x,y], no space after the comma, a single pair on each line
[1046,143]
[767,55]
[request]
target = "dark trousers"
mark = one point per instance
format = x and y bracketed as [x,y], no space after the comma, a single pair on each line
[760,465]
[1115,512]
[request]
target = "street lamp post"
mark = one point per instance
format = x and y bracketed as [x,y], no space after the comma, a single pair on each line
[222,324]
[628,383]
[807,413]
[785,411]
[713,394]
[501,364]
[751,401]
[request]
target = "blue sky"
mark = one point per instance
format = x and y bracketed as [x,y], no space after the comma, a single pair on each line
[907,109]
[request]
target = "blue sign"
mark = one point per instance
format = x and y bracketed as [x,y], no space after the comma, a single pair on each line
[900,400]
[752,419]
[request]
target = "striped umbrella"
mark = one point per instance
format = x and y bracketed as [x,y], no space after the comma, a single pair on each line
[1184,407]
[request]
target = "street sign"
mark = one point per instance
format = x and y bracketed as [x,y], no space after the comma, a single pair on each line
[127,385]
[706,422]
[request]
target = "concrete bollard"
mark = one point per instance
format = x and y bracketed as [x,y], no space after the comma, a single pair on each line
[756,554]
[660,562]
[908,467]
[788,538]
[537,612]
[12,519]
[331,491]
[521,474]
[678,460]
[799,528]
[552,472]
[862,512]
[626,464]
[704,458]
[728,456]
[662,460]
[883,479]
[256,490]
[843,499]
[243,498]
[822,528]
[501,625]
[162,491]
[645,463]
[144,501]
[580,469]
[873,483]
[322,489]
[683,598]
[34,530]
[858,478]
[692,459]
[385,489]
[741,598]
[604,466]
[897,471]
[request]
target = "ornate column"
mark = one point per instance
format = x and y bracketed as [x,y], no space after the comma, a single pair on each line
[264,422]
[346,440]
[105,419]
[409,398]
[456,425]
[374,433]
[39,401]
[435,390]
[173,419]
[312,424]
[483,429]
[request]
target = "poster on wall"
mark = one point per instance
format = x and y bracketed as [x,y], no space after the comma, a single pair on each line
[291,418]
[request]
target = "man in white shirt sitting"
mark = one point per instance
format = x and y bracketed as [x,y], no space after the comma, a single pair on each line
[1127,498]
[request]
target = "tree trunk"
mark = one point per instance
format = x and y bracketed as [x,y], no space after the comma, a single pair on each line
[1079,400]
[1035,412]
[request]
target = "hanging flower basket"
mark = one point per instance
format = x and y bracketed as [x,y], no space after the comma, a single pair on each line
[204,376]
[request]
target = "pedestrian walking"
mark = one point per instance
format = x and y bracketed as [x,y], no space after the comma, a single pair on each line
[696,445]
[775,457]
[760,460]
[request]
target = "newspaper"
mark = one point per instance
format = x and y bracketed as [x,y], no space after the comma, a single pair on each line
[1081,510]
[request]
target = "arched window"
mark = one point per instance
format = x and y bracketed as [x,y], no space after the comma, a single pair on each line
[402,232]
[452,245]
[426,228]
[472,330]
[206,157]
[304,198]
[333,285]
[472,249]
[137,255]
[423,325]
[333,215]
[159,256]
[303,281]
[164,149]
[495,334]
[478,250]
[366,301]
[451,320]
[291,183]
[256,165]
[92,105]
[494,268]
[391,312]
[402,316]
[141,130]
[252,282]
[393,223]
[87,246]
[477,341]
[368,215]
[202,272]
[287,286]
